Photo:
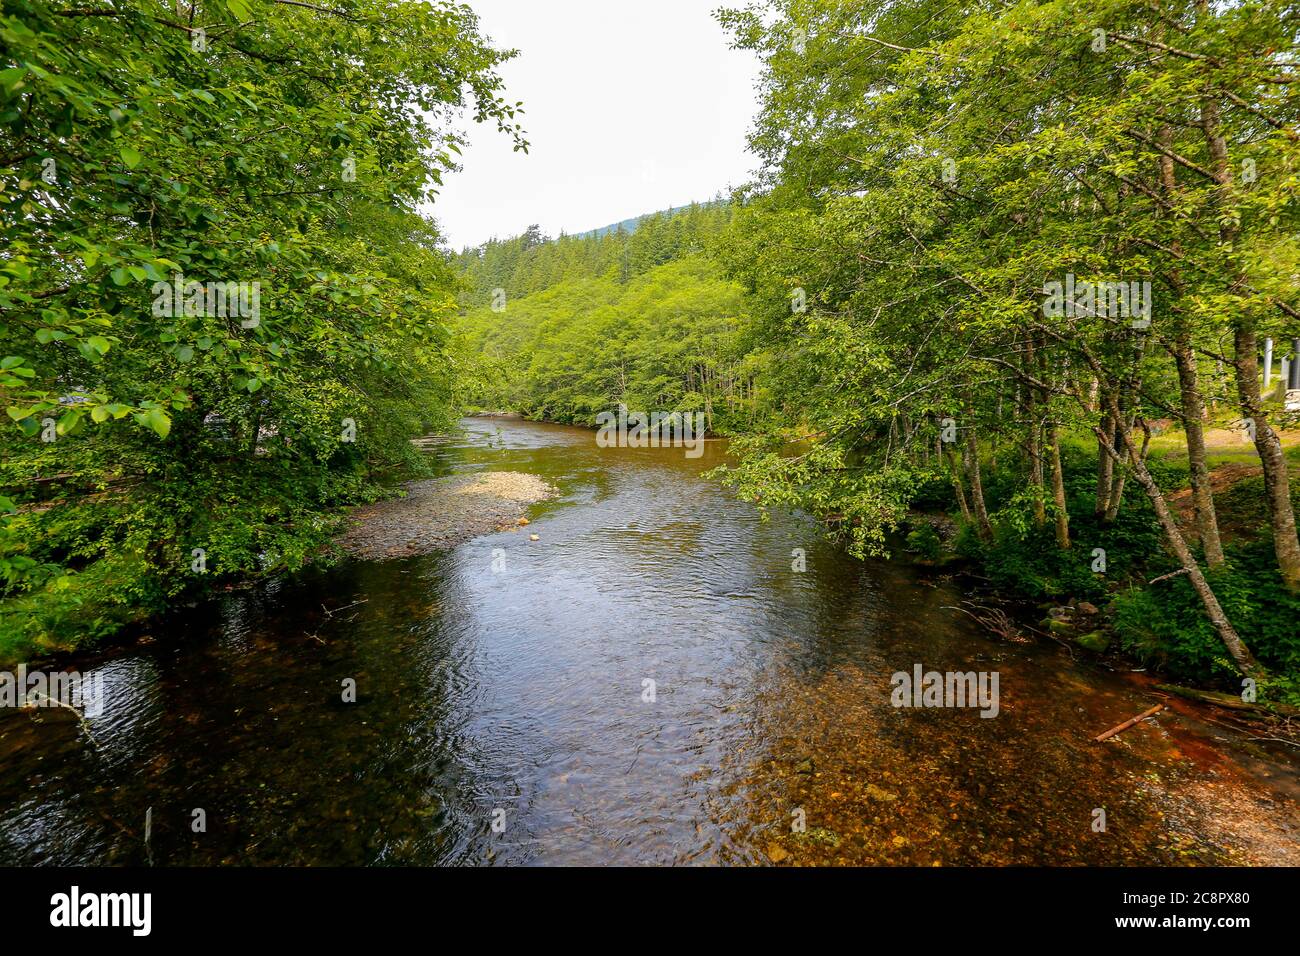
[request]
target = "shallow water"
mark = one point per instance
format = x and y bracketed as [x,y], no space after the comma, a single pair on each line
[502,715]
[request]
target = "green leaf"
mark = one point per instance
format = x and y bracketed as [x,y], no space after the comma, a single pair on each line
[68,421]
[131,156]
[156,419]
[11,80]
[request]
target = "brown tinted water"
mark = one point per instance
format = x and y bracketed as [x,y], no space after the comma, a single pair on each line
[518,698]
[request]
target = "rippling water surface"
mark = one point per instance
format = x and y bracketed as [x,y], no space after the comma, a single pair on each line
[518,699]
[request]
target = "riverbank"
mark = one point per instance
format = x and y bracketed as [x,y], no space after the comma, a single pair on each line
[439,513]
[93,605]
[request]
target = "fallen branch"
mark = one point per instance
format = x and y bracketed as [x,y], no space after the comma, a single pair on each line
[329,613]
[82,722]
[1230,701]
[1129,723]
[1171,574]
[991,619]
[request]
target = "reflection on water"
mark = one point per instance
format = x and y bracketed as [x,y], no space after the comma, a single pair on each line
[520,698]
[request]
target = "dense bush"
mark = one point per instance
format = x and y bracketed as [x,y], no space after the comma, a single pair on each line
[284,155]
[1161,624]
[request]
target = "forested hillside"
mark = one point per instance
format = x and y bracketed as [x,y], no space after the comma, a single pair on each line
[582,324]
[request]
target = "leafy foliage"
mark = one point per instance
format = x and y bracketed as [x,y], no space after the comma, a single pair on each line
[280,149]
[661,335]
[929,170]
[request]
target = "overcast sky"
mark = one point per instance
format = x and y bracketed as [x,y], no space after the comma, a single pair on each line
[629,107]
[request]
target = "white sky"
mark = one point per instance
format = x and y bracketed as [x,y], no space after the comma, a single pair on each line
[629,107]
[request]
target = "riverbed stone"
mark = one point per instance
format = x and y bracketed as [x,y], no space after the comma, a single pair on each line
[876,793]
[1096,641]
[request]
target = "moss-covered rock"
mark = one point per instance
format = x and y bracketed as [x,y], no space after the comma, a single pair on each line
[1096,641]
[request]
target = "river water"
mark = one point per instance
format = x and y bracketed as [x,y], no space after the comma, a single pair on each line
[650,682]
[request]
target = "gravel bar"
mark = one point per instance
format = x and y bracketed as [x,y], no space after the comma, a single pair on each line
[440,513]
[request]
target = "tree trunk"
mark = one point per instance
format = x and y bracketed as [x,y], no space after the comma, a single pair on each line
[1052,436]
[957,486]
[1105,465]
[1277,488]
[1207,523]
[1193,406]
[257,431]
[976,485]
[1033,446]
[1115,496]
[1232,642]
[1124,402]
[1058,487]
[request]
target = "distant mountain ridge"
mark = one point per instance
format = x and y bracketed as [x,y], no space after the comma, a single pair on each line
[630,225]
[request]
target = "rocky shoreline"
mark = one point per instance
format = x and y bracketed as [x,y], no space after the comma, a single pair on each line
[439,513]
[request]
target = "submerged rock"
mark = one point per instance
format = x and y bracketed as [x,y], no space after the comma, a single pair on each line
[824,837]
[884,796]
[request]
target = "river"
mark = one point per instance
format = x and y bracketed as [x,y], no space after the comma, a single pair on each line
[651,681]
